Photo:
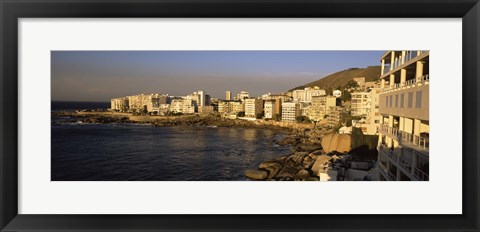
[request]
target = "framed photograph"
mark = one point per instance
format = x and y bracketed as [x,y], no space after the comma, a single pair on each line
[246,116]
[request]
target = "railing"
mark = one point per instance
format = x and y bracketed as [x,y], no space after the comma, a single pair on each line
[389,152]
[420,174]
[386,69]
[406,137]
[398,62]
[391,176]
[404,163]
[412,82]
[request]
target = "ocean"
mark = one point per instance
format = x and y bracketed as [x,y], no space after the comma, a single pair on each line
[136,152]
[73,106]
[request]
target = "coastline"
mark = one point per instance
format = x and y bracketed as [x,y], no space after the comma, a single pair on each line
[304,138]
[183,120]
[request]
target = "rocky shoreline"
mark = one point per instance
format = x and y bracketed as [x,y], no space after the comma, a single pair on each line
[306,142]
[164,121]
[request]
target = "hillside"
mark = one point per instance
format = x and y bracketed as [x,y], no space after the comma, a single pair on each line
[341,78]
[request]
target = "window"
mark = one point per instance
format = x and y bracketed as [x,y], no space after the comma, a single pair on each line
[410,100]
[391,105]
[386,101]
[402,100]
[418,99]
[396,101]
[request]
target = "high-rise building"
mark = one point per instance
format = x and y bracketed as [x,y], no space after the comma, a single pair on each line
[182,105]
[242,95]
[321,106]
[228,95]
[119,104]
[403,149]
[208,100]
[360,103]
[306,94]
[253,107]
[269,109]
[201,98]
[290,111]
[141,102]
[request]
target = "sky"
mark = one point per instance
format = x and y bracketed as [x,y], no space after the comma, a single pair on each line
[102,75]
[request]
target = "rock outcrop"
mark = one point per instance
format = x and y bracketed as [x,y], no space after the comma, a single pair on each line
[337,142]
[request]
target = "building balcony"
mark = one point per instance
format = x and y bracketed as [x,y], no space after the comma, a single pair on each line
[423,80]
[420,175]
[403,164]
[385,173]
[405,138]
[392,67]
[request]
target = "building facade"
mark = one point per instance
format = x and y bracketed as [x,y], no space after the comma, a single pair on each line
[228,95]
[360,104]
[290,111]
[242,95]
[119,104]
[321,106]
[230,107]
[269,109]
[253,107]
[403,150]
[183,105]
[140,103]
[305,95]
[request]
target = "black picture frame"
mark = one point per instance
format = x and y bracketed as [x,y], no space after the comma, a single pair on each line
[11,11]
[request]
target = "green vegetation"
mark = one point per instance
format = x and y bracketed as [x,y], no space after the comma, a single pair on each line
[302,119]
[277,117]
[351,84]
[241,114]
[346,119]
[346,96]
[259,115]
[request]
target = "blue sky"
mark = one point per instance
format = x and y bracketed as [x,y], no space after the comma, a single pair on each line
[102,75]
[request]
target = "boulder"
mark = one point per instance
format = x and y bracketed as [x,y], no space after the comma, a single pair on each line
[281,159]
[312,178]
[256,174]
[308,162]
[273,170]
[302,174]
[298,157]
[320,163]
[337,142]
[317,153]
[308,147]
[287,171]
[267,164]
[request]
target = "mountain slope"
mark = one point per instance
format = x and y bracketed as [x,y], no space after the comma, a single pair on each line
[371,73]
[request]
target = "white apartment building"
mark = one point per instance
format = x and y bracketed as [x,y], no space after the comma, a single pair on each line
[305,95]
[290,111]
[183,105]
[321,106]
[269,109]
[228,95]
[232,107]
[137,103]
[403,150]
[119,104]
[253,107]
[242,95]
[360,104]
